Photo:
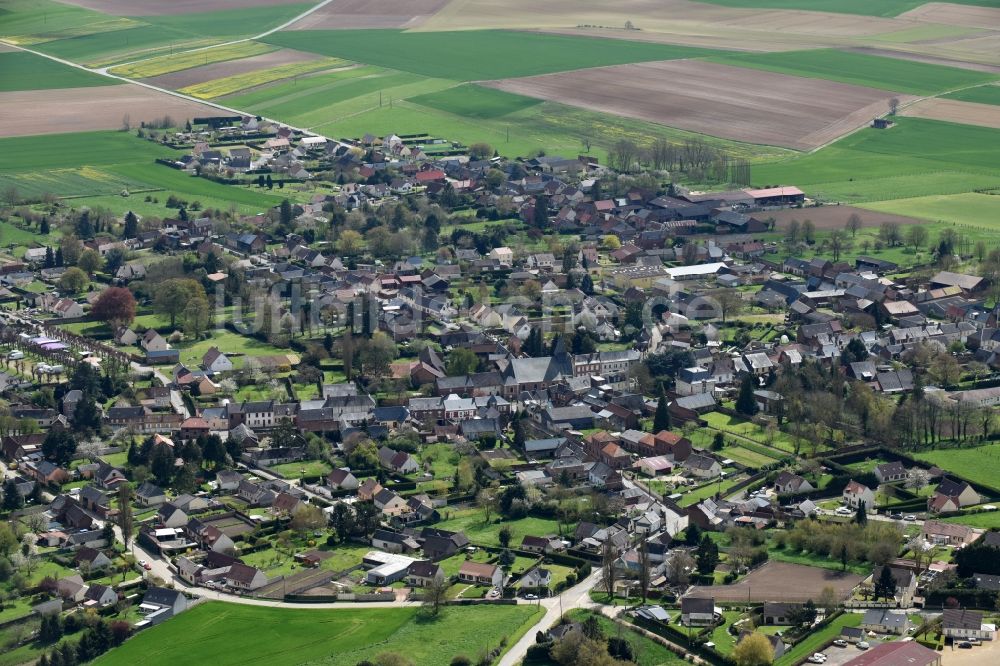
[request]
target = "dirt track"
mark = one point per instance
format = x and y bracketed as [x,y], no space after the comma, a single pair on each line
[729,102]
[170,7]
[220,70]
[350,14]
[81,109]
[956,111]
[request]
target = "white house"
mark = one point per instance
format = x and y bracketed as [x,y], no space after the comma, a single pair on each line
[965,623]
[215,361]
[856,494]
[697,611]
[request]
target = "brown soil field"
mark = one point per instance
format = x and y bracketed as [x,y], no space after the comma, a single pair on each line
[781,581]
[220,70]
[736,40]
[831,218]
[80,109]
[681,17]
[968,16]
[955,111]
[929,59]
[170,7]
[718,100]
[350,14]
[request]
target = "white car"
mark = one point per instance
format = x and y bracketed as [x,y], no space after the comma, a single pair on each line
[843,511]
[910,518]
[819,655]
[863,645]
[840,642]
[531,597]
[816,659]
[15,355]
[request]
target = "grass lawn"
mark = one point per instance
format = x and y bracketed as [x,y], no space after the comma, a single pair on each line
[344,557]
[15,608]
[471,522]
[331,637]
[304,468]
[904,76]
[813,560]
[816,641]
[116,459]
[724,641]
[914,158]
[650,652]
[478,54]
[709,490]
[989,94]
[734,425]
[966,209]
[986,520]
[20,70]
[228,342]
[977,464]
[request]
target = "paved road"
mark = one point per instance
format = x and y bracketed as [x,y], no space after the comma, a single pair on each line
[577,596]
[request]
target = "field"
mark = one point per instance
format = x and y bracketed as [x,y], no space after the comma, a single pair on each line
[904,76]
[956,111]
[709,98]
[830,218]
[20,70]
[471,522]
[174,63]
[916,157]
[79,109]
[100,40]
[976,464]
[984,521]
[781,581]
[232,84]
[474,101]
[65,164]
[817,640]
[948,13]
[188,77]
[159,8]
[474,55]
[887,8]
[348,14]
[989,94]
[333,637]
[963,209]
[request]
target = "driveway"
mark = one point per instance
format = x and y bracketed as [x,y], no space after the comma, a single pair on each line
[988,652]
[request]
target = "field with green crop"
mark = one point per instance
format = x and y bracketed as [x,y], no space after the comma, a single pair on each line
[277,636]
[478,54]
[20,70]
[915,157]
[174,63]
[905,76]
[473,523]
[105,163]
[153,36]
[988,94]
[474,101]
[977,464]
[969,209]
[885,8]
[30,22]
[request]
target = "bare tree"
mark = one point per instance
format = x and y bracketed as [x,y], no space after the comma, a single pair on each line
[679,568]
[608,556]
[126,122]
[893,106]
[729,301]
[659,153]
[435,595]
[622,155]
[836,244]
[854,224]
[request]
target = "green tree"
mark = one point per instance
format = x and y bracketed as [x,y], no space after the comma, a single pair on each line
[707,556]
[173,295]
[73,281]
[90,261]
[754,650]
[745,402]
[885,584]
[59,446]
[861,515]
[462,361]
[131,229]
[661,418]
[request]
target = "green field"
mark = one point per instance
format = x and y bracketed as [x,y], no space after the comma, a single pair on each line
[905,76]
[815,641]
[471,522]
[474,101]
[914,158]
[650,653]
[478,54]
[970,208]
[989,94]
[205,634]
[104,163]
[34,21]
[984,521]
[153,36]
[20,70]
[977,464]
[862,7]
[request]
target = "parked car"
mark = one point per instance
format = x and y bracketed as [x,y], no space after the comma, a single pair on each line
[15,355]
[965,645]
[843,511]
[910,518]
[531,597]
[863,645]
[896,516]
[840,642]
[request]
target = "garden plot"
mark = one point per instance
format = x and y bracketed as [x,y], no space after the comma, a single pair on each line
[781,581]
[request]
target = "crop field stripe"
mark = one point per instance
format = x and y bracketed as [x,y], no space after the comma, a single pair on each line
[474,101]
[165,64]
[474,55]
[905,76]
[20,70]
[884,8]
[233,84]
[282,92]
[987,94]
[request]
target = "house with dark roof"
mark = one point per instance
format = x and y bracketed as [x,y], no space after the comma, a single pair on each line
[697,611]
[952,495]
[960,623]
[422,573]
[891,472]
[160,603]
[884,621]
